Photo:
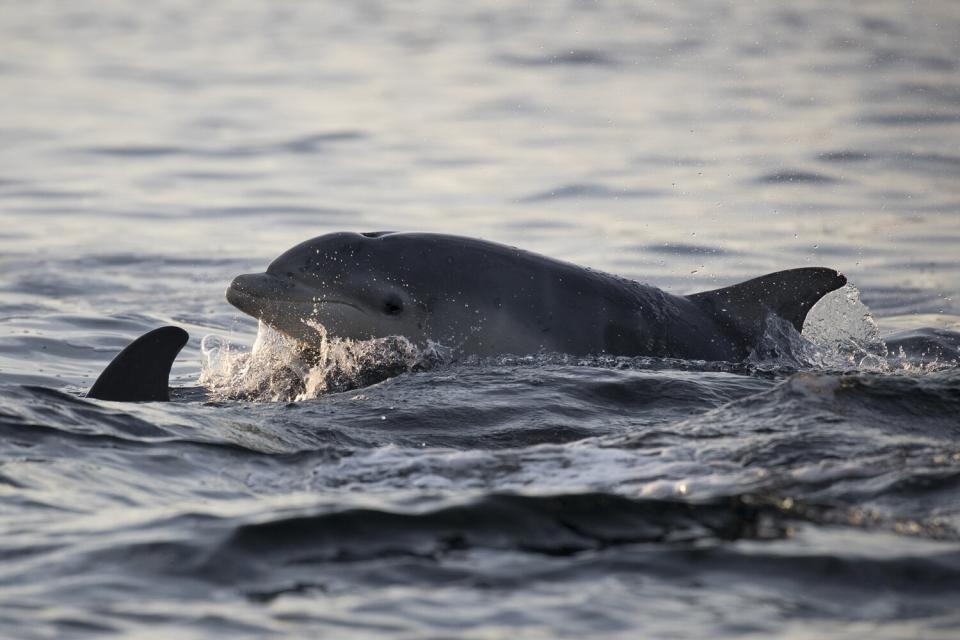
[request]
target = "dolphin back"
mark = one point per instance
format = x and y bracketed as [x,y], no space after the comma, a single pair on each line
[141,371]
[743,308]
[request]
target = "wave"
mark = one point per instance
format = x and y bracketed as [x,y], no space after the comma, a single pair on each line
[551,525]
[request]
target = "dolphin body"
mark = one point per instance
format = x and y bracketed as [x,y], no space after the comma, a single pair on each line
[482,298]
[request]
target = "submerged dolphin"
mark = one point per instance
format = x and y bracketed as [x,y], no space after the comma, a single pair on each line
[482,298]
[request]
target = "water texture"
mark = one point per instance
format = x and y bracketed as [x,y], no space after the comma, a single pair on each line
[150,152]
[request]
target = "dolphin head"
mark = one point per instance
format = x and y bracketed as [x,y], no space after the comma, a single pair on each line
[350,283]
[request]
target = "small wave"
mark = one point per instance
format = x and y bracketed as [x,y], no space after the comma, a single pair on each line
[572,191]
[551,525]
[55,423]
[48,194]
[305,144]
[681,249]
[556,525]
[62,285]
[904,160]
[910,119]
[940,91]
[844,156]
[927,160]
[570,57]
[315,142]
[26,410]
[795,177]
[97,260]
[215,176]
[926,345]
[312,212]
[867,423]
[138,151]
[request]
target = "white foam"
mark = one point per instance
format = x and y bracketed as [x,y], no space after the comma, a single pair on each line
[279,368]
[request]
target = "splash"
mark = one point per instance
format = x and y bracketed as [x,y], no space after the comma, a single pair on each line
[839,333]
[840,323]
[279,368]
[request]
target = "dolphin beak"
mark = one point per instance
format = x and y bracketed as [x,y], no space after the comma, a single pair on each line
[252,292]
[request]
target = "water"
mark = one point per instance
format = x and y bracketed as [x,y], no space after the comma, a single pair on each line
[151,152]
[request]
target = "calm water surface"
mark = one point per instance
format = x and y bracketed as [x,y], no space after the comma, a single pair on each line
[149,152]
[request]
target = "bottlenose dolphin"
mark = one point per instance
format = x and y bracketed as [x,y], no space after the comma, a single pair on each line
[482,298]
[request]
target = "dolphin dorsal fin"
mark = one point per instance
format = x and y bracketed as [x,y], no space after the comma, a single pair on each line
[789,294]
[141,371]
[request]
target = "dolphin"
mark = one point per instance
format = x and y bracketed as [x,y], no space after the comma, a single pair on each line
[480,298]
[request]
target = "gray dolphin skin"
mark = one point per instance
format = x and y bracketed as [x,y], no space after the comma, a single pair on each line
[482,298]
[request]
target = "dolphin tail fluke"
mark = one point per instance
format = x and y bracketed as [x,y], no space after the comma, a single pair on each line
[790,294]
[141,371]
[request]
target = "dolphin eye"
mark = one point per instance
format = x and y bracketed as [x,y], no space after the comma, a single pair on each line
[393,305]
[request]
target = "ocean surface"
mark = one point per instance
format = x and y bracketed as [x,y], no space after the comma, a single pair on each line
[150,152]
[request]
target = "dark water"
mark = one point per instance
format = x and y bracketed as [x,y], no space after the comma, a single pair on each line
[151,152]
